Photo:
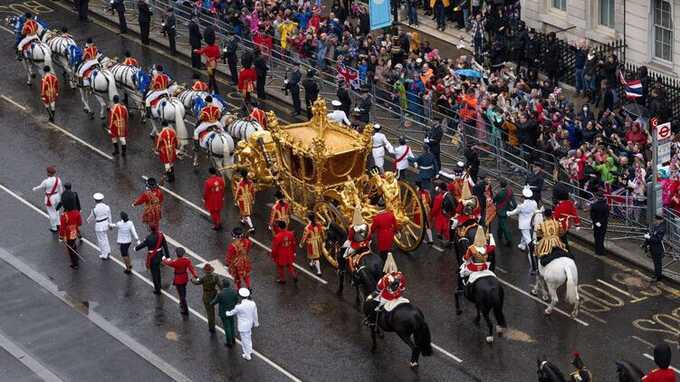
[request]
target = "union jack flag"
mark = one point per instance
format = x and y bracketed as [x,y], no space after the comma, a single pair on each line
[632,88]
[349,75]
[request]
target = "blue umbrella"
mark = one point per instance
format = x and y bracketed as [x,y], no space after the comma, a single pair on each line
[469,73]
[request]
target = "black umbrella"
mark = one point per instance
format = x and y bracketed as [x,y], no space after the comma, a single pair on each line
[636,110]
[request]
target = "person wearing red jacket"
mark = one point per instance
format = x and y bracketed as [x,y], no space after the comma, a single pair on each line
[183,267]
[390,288]
[198,85]
[385,227]
[237,257]
[283,253]
[439,219]
[244,196]
[49,91]
[566,214]
[69,230]
[246,82]
[118,126]
[662,358]
[212,54]
[166,146]
[213,197]
[280,210]
[152,199]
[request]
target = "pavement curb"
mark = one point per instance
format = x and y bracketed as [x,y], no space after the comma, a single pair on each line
[582,237]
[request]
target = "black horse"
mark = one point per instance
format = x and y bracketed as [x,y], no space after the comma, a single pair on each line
[628,372]
[547,372]
[486,293]
[406,320]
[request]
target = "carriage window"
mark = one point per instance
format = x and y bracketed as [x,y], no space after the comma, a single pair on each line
[308,168]
[286,157]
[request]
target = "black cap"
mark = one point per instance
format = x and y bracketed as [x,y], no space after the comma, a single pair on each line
[212,170]
[208,99]
[237,232]
[89,40]
[662,355]
[151,183]
[180,252]
[159,67]
[116,98]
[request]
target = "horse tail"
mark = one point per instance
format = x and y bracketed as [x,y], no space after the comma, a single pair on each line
[572,281]
[498,309]
[422,338]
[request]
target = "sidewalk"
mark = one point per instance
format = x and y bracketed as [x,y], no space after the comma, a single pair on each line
[627,250]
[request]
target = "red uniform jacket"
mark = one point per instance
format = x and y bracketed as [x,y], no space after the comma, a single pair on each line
[90,53]
[152,200]
[160,81]
[69,225]
[565,213]
[130,61]
[211,53]
[439,220]
[49,88]
[209,113]
[385,293]
[182,267]
[213,193]
[237,257]
[166,145]
[199,86]
[385,226]
[426,199]
[472,266]
[462,218]
[246,80]
[660,375]
[118,121]
[280,212]
[283,248]
[30,28]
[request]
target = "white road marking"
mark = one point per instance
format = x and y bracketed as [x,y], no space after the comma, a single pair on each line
[652,358]
[558,310]
[258,243]
[82,142]
[594,317]
[651,345]
[438,248]
[148,282]
[6,29]
[623,292]
[501,269]
[31,363]
[446,353]
[22,107]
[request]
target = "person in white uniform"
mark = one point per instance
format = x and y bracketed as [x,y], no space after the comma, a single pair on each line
[380,144]
[101,215]
[52,187]
[402,153]
[338,115]
[526,212]
[246,313]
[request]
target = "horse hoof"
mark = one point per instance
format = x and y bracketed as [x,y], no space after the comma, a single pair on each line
[547,312]
[534,292]
[413,365]
[546,297]
[489,339]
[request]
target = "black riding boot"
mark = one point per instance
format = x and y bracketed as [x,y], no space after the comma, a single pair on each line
[171,174]
[115,148]
[123,150]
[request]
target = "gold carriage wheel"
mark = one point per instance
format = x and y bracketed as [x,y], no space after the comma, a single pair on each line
[326,212]
[410,233]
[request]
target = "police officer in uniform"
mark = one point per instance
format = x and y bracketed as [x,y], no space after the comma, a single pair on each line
[230,47]
[170,29]
[144,18]
[654,242]
[311,90]
[195,39]
[292,84]
[599,214]
[364,107]
[433,140]
[261,68]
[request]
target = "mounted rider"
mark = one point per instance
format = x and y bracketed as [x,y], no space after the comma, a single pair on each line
[90,58]
[27,29]
[209,119]
[159,86]
[565,211]
[390,288]
[467,212]
[479,259]
[581,374]
[199,85]
[549,231]
[129,60]
[358,235]
[458,180]
[259,116]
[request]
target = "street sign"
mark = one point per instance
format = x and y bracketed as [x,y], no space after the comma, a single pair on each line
[663,131]
[664,153]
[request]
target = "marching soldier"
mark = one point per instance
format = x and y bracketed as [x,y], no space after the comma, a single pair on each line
[380,144]
[129,60]
[182,266]
[384,226]
[166,147]
[213,197]
[427,167]
[199,85]
[49,91]
[52,187]
[426,199]
[118,126]
[101,215]
[157,249]
[152,198]
[245,197]
[226,300]
[280,211]
[237,258]
[313,237]
[211,286]
[283,252]
[69,231]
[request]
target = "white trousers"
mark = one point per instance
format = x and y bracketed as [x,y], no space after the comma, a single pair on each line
[379,158]
[50,106]
[247,342]
[103,243]
[54,217]
[526,237]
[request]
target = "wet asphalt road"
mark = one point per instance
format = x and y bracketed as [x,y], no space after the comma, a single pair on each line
[305,329]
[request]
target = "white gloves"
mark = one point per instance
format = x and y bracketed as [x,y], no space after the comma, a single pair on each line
[598,224]
[647,236]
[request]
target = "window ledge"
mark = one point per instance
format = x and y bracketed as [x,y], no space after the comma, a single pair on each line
[555,18]
[659,65]
[601,34]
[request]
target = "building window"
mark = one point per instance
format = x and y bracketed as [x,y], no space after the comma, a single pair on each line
[663,30]
[607,13]
[560,4]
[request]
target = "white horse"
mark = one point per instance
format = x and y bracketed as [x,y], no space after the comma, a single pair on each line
[59,45]
[242,128]
[100,83]
[220,149]
[36,54]
[558,272]
[127,80]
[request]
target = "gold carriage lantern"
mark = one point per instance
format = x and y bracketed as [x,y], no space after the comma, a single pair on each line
[320,166]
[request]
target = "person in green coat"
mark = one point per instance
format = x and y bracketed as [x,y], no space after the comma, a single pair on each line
[504,201]
[226,300]
[211,285]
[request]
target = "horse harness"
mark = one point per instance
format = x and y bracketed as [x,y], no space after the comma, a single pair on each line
[354,260]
